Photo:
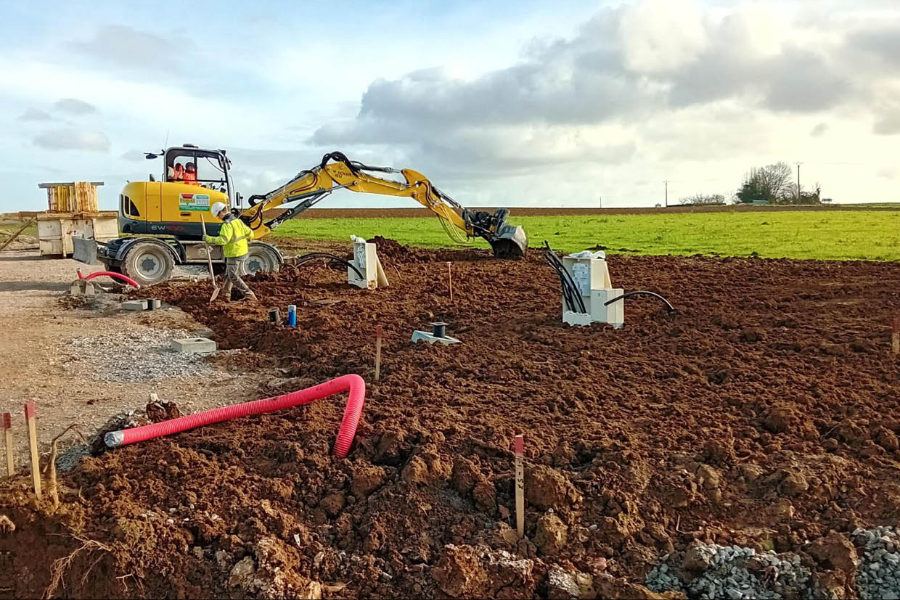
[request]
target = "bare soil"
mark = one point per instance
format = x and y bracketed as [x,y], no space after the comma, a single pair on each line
[763,414]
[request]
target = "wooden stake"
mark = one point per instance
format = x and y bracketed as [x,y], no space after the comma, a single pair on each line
[379,333]
[450,279]
[30,416]
[520,486]
[895,336]
[10,458]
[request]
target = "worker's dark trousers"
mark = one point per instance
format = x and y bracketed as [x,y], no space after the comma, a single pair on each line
[234,268]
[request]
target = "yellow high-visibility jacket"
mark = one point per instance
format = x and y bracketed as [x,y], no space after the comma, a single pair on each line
[233,235]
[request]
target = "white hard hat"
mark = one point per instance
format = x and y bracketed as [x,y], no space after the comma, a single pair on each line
[216,208]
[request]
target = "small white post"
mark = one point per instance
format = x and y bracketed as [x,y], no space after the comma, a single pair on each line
[520,486]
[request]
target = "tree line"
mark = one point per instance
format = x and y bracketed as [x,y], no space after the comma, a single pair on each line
[772,184]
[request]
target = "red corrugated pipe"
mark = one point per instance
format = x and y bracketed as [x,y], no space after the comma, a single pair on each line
[352,412]
[124,278]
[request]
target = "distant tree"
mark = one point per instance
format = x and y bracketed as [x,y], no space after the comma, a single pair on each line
[766,184]
[792,198]
[702,199]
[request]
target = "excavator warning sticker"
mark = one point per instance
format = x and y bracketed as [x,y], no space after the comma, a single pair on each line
[198,202]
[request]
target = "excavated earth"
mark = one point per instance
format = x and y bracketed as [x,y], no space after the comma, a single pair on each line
[764,413]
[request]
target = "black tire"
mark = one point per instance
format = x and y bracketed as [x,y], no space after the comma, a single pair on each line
[148,263]
[262,257]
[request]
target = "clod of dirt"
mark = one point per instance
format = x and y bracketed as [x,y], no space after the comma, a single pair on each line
[546,488]
[781,511]
[427,469]
[708,477]
[366,480]
[750,472]
[793,484]
[459,571]
[485,496]
[465,475]
[834,552]
[752,334]
[785,418]
[550,536]
[615,588]
[720,452]
[162,410]
[242,573]
[886,438]
[562,585]
[697,558]
[390,448]
[333,504]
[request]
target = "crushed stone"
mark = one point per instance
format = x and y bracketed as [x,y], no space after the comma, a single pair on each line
[135,356]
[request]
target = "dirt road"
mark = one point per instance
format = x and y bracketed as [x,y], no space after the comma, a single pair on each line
[83,365]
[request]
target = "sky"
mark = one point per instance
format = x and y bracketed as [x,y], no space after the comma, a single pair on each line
[500,103]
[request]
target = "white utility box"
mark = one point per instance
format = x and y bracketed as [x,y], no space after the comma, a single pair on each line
[590,274]
[365,259]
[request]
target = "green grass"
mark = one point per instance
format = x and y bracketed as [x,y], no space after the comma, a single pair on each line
[7,228]
[831,235]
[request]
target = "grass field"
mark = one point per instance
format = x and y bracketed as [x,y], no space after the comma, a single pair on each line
[832,235]
[9,227]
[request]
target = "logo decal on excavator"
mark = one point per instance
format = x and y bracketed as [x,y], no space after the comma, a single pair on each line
[195,202]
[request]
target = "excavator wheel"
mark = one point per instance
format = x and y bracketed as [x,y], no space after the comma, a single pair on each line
[148,263]
[262,257]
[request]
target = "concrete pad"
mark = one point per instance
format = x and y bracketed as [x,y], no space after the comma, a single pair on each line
[75,288]
[194,345]
[135,305]
[431,339]
[89,289]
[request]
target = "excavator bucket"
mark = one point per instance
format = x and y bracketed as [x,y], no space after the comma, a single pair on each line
[510,241]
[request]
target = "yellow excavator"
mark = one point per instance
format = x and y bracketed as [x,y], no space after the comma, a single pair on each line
[163,225]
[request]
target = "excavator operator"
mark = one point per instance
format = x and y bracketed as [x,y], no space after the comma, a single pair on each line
[233,236]
[190,174]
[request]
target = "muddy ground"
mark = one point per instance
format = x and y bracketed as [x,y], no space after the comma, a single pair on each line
[763,413]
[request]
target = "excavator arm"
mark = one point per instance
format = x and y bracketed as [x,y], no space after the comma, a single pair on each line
[336,171]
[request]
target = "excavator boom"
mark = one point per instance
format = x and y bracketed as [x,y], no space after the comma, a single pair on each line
[336,171]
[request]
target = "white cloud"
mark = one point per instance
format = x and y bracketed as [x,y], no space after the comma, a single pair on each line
[73,139]
[74,106]
[34,114]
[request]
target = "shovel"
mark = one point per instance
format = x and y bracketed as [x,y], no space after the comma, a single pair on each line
[212,274]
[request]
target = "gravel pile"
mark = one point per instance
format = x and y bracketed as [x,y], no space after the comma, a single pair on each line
[732,572]
[879,566]
[135,356]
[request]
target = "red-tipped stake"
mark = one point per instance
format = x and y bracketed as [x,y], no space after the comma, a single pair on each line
[520,486]
[379,333]
[895,336]
[31,417]
[10,459]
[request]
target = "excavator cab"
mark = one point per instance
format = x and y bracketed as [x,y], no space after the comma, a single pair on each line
[193,179]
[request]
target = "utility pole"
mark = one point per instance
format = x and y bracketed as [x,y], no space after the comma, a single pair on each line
[667,193]
[798,182]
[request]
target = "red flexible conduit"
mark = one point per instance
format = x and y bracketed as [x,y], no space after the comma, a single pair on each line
[352,412]
[124,278]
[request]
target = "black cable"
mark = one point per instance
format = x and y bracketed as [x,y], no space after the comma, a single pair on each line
[571,294]
[669,306]
[305,258]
